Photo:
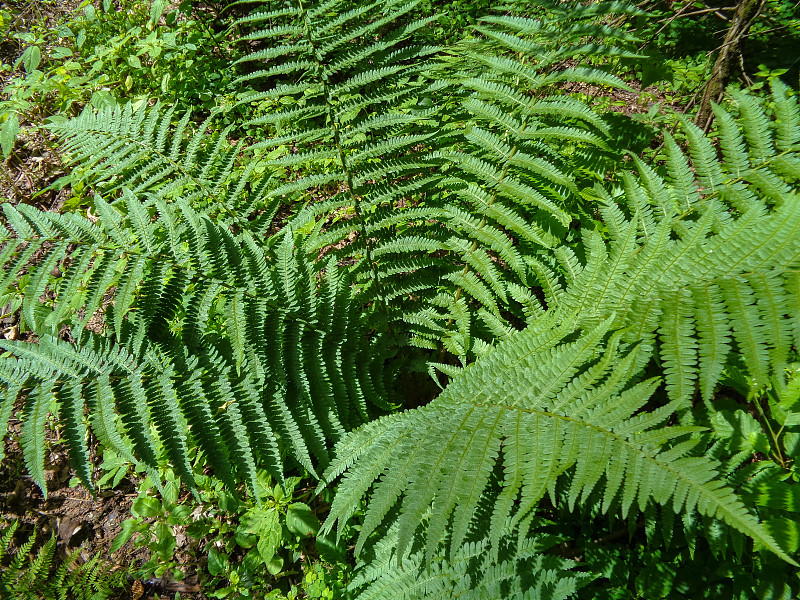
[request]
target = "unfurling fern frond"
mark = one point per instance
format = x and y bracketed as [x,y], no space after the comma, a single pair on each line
[249,354]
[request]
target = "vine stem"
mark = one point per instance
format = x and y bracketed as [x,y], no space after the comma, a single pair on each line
[776,448]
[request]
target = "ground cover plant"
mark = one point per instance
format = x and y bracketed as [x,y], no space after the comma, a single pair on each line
[401,311]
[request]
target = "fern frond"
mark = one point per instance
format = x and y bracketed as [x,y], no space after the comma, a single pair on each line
[120,147]
[260,353]
[32,437]
[26,573]
[95,579]
[568,414]
[721,273]
[525,572]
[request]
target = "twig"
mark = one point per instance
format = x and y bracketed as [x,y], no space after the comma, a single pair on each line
[716,11]
[709,10]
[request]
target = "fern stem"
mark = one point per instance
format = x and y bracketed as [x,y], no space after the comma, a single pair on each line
[331,113]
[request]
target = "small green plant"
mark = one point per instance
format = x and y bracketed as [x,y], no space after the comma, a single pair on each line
[29,572]
[101,56]
[21,569]
[154,519]
[243,548]
[767,76]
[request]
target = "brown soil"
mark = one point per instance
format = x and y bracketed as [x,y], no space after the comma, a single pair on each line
[80,522]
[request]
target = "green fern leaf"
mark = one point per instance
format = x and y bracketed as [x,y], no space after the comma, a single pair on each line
[237,326]
[678,346]
[492,397]
[32,440]
[9,398]
[70,410]
[713,336]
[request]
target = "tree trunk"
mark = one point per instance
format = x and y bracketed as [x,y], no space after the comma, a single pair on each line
[729,56]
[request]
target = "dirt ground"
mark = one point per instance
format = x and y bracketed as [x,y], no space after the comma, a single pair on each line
[80,522]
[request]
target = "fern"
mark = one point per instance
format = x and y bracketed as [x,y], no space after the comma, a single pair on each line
[357,113]
[95,579]
[526,572]
[142,150]
[26,575]
[421,169]
[457,201]
[242,348]
[547,404]
[728,278]
[22,570]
